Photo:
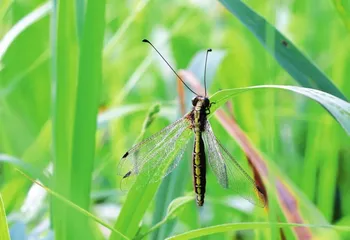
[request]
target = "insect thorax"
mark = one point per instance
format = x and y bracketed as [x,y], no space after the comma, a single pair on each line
[199,113]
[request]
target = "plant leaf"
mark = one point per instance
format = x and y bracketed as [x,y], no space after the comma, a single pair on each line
[4,230]
[287,55]
[74,206]
[138,199]
[245,226]
[174,207]
[85,116]
[24,166]
[339,109]
[177,204]
[22,25]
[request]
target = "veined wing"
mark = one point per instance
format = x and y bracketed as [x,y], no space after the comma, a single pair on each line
[156,156]
[229,173]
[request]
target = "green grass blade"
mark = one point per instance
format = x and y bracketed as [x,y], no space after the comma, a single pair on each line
[287,55]
[74,206]
[119,112]
[138,199]
[22,25]
[24,166]
[4,230]
[112,43]
[246,226]
[65,52]
[339,109]
[177,183]
[33,161]
[134,208]
[86,110]
[174,207]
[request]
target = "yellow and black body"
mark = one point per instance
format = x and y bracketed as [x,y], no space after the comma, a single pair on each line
[198,115]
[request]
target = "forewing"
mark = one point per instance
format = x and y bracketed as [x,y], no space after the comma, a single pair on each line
[229,173]
[156,156]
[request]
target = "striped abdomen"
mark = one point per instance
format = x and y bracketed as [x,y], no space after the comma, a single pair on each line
[199,168]
[199,118]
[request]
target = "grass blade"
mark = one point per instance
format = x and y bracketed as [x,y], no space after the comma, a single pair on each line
[65,52]
[74,206]
[138,199]
[86,110]
[339,108]
[4,230]
[287,55]
[22,25]
[249,225]
[23,165]
[174,207]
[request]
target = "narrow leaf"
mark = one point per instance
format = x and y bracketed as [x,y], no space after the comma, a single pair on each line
[339,108]
[64,80]
[74,206]
[300,67]
[24,166]
[248,226]
[85,118]
[22,25]
[4,230]
[138,199]
[174,208]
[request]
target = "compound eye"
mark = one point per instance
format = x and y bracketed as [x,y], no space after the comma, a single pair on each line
[194,101]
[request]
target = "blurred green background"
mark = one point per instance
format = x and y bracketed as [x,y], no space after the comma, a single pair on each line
[77,83]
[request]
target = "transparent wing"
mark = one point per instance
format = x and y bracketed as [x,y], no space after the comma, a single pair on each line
[156,156]
[229,173]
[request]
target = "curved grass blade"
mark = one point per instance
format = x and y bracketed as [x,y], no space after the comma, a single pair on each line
[74,206]
[173,209]
[287,55]
[24,166]
[22,25]
[248,226]
[337,107]
[114,113]
[114,40]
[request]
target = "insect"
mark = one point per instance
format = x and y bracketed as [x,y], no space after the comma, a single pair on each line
[156,156]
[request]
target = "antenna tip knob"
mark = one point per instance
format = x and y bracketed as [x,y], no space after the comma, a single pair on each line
[145,40]
[209,50]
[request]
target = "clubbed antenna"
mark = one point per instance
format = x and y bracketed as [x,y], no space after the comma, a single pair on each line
[146,41]
[205,71]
